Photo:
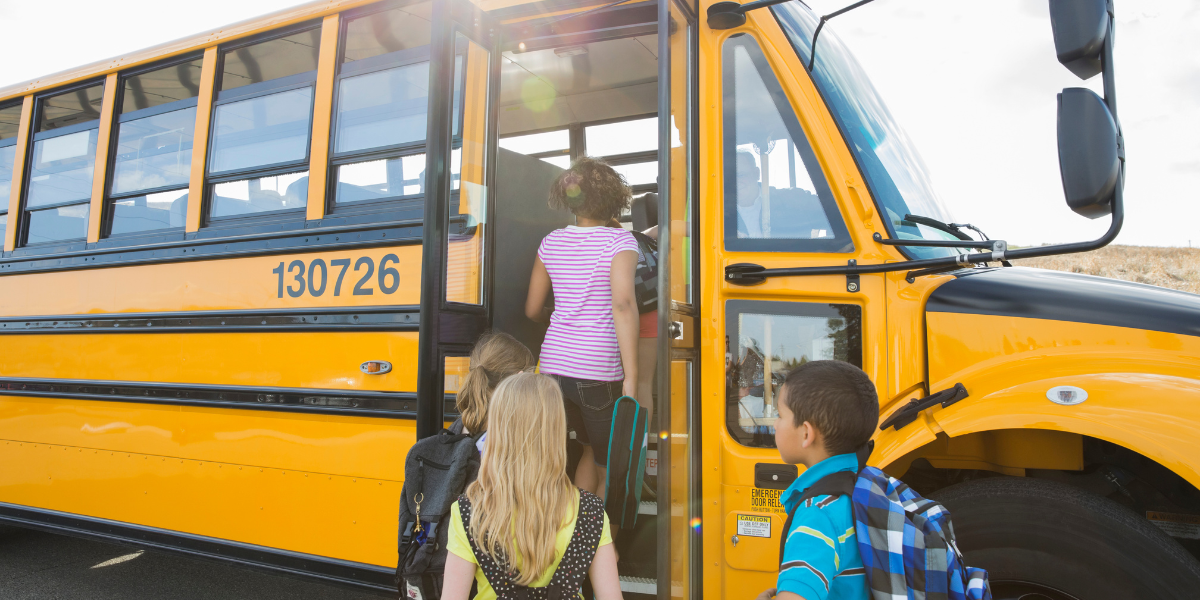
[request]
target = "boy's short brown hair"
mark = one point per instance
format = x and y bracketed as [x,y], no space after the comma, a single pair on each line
[837,398]
[591,189]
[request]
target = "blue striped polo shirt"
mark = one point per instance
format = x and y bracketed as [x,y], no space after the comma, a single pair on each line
[820,559]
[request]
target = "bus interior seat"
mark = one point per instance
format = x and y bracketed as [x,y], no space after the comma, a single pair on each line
[522,219]
[263,200]
[296,193]
[178,216]
[643,211]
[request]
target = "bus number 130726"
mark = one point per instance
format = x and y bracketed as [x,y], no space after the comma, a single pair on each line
[314,277]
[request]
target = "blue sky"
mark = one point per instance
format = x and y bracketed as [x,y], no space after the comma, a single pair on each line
[973,83]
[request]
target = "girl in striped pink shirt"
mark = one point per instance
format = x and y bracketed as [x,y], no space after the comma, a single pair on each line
[591,345]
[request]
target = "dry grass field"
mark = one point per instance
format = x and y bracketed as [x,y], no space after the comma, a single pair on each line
[1175,268]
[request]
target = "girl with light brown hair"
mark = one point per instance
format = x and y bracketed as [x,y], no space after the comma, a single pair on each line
[521,523]
[495,357]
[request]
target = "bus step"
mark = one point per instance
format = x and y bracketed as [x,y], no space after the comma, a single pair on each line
[648,508]
[639,585]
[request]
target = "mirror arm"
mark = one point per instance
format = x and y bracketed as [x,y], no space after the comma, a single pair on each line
[752,274]
[1118,219]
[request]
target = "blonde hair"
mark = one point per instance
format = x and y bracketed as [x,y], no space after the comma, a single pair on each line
[495,357]
[522,496]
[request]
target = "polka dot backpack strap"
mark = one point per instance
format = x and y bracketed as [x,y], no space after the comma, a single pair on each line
[577,559]
[568,577]
[497,575]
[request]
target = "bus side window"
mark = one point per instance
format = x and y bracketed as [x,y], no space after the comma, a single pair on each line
[768,339]
[261,126]
[10,121]
[152,162]
[381,100]
[57,200]
[776,196]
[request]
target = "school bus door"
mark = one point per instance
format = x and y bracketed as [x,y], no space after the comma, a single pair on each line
[460,172]
[767,199]
[678,306]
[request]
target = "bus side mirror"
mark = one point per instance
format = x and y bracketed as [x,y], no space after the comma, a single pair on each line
[1088,152]
[1080,27]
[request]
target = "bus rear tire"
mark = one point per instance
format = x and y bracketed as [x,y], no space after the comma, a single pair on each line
[1041,539]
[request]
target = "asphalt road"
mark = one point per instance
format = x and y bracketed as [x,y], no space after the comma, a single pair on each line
[44,566]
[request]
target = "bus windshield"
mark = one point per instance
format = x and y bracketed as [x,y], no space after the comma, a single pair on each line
[889,162]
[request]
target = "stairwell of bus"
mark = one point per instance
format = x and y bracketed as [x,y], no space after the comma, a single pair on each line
[590,95]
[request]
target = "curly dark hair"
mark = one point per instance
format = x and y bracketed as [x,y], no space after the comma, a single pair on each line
[591,189]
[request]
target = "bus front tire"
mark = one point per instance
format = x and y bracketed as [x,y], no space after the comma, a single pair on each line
[1062,542]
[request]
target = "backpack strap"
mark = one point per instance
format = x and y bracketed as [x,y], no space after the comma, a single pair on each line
[585,541]
[834,484]
[572,567]
[498,576]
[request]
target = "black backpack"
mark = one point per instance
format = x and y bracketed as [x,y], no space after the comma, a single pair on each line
[567,580]
[645,276]
[436,471]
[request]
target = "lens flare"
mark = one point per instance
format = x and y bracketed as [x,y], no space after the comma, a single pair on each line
[537,95]
[696,524]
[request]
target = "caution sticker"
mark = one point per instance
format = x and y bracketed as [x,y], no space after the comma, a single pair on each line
[754,526]
[1176,525]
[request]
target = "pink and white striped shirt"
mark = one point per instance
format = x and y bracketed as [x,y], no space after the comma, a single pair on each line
[582,339]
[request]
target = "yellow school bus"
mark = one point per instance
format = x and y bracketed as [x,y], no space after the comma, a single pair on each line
[241,271]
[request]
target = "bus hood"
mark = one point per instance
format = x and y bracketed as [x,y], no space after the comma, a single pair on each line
[1058,296]
[1054,322]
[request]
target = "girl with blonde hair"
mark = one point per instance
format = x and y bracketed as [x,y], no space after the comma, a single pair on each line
[495,357]
[522,524]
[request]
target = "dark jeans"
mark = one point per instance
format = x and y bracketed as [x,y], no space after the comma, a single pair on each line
[589,406]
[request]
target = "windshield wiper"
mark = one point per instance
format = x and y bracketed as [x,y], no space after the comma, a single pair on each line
[998,247]
[953,229]
[963,241]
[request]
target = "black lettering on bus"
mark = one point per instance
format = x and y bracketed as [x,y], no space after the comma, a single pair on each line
[385,271]
[299,266]
[279,270]
[312,277]
[359,290]
[344,263]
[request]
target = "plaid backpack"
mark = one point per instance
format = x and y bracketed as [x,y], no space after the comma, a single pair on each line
[906,541]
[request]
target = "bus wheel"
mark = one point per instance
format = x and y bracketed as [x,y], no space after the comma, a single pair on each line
[1046,540]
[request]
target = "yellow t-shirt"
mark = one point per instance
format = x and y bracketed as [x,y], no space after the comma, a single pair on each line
[459,546]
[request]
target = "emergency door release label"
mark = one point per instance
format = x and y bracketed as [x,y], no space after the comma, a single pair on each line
[754,526]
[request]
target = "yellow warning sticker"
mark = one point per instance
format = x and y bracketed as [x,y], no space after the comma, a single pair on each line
[754,526]
[1176,525]
[766,500]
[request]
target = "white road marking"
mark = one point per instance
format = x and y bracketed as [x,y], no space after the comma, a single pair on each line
[118,560]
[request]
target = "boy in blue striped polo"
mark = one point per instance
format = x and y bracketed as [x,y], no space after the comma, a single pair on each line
[827,410]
